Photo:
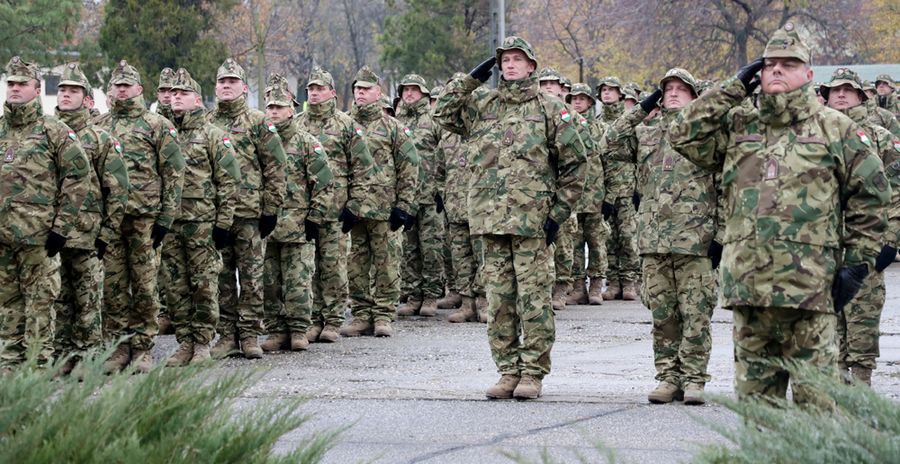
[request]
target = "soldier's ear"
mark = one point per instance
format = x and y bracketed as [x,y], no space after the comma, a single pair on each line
[245,88]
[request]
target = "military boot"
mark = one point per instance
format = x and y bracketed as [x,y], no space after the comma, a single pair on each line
[119,359]
[451,301]
[481,307]
[595,294]
[330,334]
[165,325]
[182,356]
[612,292]
[275,342]
[465,313]
[67,367]
[250,347]
[578,294]
[429,307]
[410,308]
[142,361]
[693,394]
[201,353]
[863,374]
[629,292]
[299,342]
[312,333]
[504,388]
[226,346]
[528,388]
[665,392]
[558,300]
[357,327]
[383,329]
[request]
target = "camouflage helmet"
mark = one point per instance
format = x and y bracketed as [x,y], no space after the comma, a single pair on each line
[319,76]
[516,43]
[19,70]
[704,85]
[278,92]
[386,104]
[182,80]
[630,94]
[550,74]
[683,75]
[886,78]
[166,78]
[125,73]
[868,86]
[786,43]
[365,78]
[566,83]
[73,76]
[580,88]
[634,87]
[413,80]
[842,76]
[609,81]
[435,91]
[230,68]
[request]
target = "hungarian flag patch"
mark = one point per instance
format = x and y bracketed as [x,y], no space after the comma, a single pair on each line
[271,127]
[407,132]
[897,145]
[564,114]
[72,135]
[359,132]
[117,146]
[318,148]
[173,132]
[226,141]
[865,139]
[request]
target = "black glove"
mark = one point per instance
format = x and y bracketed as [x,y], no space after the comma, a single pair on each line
[847,283]
[636,200]
[410,222]
[267,223]
[55,243]
[551,228]
[100,246]
[482,72]
[748,72]
[310,230]
[608,210]
[220,237]
[439,203]
[885,258]
[398,218]
[652,101]
[348,220]
[158,234]
[715,253]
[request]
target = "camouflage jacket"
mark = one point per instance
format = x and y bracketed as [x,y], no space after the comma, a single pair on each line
[104,206]
[44,178]
[417,121]
[679,200]
[883,118]
[212,174]
[890,103]
[802,188]
[309,184]
[345,144]
[528,162]
[594,184]
[154,160]
[260,155]
[392,178]
[619,163]
[457,166]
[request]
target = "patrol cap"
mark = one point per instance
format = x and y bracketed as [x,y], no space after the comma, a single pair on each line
[681,74]
[413,80]
[230,68]
[609,81]
[550,74]
[580,88]
[886,78]
[365,78]
[182,80]
[786,43]
[73,76]
[843,76]
[166,78]
[516,43]
[19,70]
[125,73]
[277,92]
[319,76]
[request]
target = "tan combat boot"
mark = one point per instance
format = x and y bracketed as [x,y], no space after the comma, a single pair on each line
[503,389]
[595,294]
[299,342]
[357,327]
[165,325]
[578,295]
[693,394]
[142,361]
[612,291]
[451,301]
[465,313]
[558,300]
[383,329]
[629,292]
[226,346]
[429,307]
[863,374]
[201,353]
[330,334]
[481,307]
[665,392]
[528,388]
[275,342]
[119,359]
[410,308]
[182,356]
[312,333]
[250,347]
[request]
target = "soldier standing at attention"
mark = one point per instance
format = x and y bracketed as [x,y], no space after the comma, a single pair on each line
[164,96]
[805,197]
[528,173]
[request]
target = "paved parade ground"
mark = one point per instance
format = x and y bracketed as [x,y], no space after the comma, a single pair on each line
[418,396]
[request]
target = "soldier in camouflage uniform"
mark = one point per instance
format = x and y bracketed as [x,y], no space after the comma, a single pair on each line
[423,257]
[858,325]
[887,99]
[190,253]
[451,299]
[804,201]
[155,168]
[388,189]
[528,172]
[164,94]
[592,229]
[260,197]
[678,243]
[44,182]
[621,202]
[78,308]
[346,147]
[290,250]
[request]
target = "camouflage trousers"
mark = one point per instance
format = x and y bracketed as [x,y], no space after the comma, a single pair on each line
[563,252]
[517,276]
[593,231]
[192,266]
[131,301]
[465,251]
[767,339]
[374,270]
[242,314]
[423,255]
[858,326]
[330,284]
[449,272]
[289,273]
[621,247]
[162,285]
[78,307]
[680,291]
[29,285]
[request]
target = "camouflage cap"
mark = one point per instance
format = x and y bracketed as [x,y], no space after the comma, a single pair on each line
[182,80]
[516,43]
[868,85]
[435,91]
[386,103]
[125,74]
[842,76]
[19,70]
[886,78]
[580,88]
[72,75]
[704,85]
[278,93]
[319,76]
[786,43]
[549,74]
[566,82]
[413,80]
[683,75]
[230,68]
[166,78]
[365,77]
[609,81]
[630,94]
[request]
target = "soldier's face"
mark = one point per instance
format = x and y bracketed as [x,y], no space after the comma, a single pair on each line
[843,96]
[366,95]
[18,93]
[552,88]
[609,95]
[629,103]
[126,91]
[781,75]
[229,88]
[319,93]
[164,95]
[582,103]
[883,88]
[515,65]
[870,93]
[185,100]
[279,114]
[411,94]
[69,97]
[676,94]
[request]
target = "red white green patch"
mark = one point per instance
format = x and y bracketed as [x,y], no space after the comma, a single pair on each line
[173,132]
[72,135]
[897,145]
[564,114]
[318,148]
[226,141]
[865,139]
[271,127]
[359,132]
[118,147]
[407,132]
